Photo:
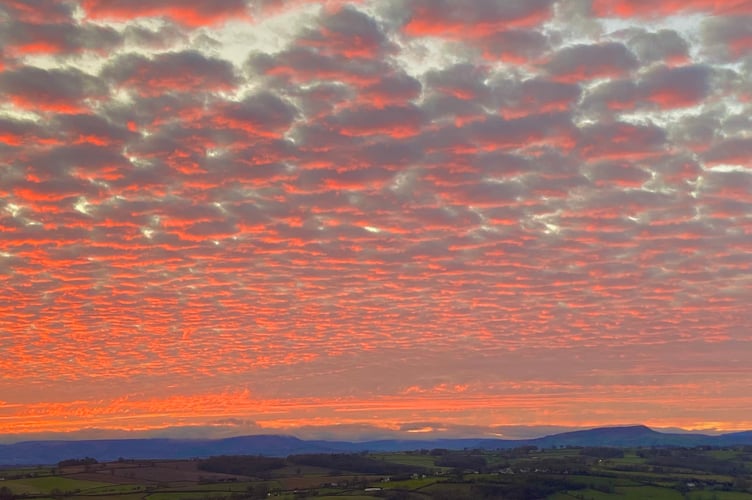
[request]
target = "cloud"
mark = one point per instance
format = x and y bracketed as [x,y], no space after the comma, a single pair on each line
[643,8]
[585,62]
[729,37]
[63,38]
[363,217]
[735,151]
[676,87]
[186,71]
[54,90]
[661,87]
[449,18]
[347,33]
[663,45]
[540,94]
[621,140]
[198,13]
[42,11]
[516,45]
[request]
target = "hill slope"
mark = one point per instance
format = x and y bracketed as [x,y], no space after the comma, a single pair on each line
[51,452]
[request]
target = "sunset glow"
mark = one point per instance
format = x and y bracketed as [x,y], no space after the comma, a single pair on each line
[377,217]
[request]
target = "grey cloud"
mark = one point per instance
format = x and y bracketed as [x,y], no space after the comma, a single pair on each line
[149,111]
[686,84]
[186,71]
[300,63]
[535,93]
[445,138]
[63,189]
[208,229]
[617,173]
[726,37]
[348,31]
[663,45]
[167,36]
[620,139]
[390,152]
[589,61]
[156,175]
[625,202]
[86,157]
[501,164]
[393,88]
[515,44]
[697,131]
[384,120]
[440,106]
[678,169]
[736,150]
[164,143]
[490,193]
[18,132]
[264,112]
[739,183]
[516,133]
[80,126]
[464,81]
[319,138]
[60,38]
[556,185]
[489,11]
[320,99]
[661,87]
[39,11]
[738,123]
[54,87]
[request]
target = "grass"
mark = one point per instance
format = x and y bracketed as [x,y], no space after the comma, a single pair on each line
[115,488]
[719,495]
[448,490]
[623,493]
[724,454]
[134,496]
[647,493]
[345,497]
[633,460]
[185,494]
[408,484]
[588,494]
[409,459]
[44,485]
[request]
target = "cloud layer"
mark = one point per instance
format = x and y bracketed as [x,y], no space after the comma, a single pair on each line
[382,213]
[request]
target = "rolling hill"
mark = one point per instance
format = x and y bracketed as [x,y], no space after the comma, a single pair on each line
[51,452]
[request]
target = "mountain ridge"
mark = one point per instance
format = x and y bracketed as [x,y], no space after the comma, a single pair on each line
[53,451]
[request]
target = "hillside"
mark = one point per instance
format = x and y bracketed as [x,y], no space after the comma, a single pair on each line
[51,452]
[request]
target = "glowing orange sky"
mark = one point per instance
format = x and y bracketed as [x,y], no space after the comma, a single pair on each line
[349,219]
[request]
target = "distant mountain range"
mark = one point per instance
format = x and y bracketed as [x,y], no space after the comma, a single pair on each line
[51,452]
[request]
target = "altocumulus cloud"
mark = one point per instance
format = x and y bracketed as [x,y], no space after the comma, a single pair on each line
[384,215]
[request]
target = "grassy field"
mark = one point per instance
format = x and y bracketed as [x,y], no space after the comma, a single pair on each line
[408,459]
[555,474]
[44,485]
[719,495]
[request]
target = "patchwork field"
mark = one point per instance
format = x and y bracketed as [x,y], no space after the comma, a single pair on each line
[520,474]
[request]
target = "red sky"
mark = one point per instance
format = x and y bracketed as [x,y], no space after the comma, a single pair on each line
[357,219]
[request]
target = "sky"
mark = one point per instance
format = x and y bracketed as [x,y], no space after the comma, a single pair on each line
[375,218]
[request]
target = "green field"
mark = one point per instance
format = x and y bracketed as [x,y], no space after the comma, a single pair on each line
[44,485]
[520,474]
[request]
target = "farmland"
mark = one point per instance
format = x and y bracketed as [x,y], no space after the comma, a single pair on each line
[573,473]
